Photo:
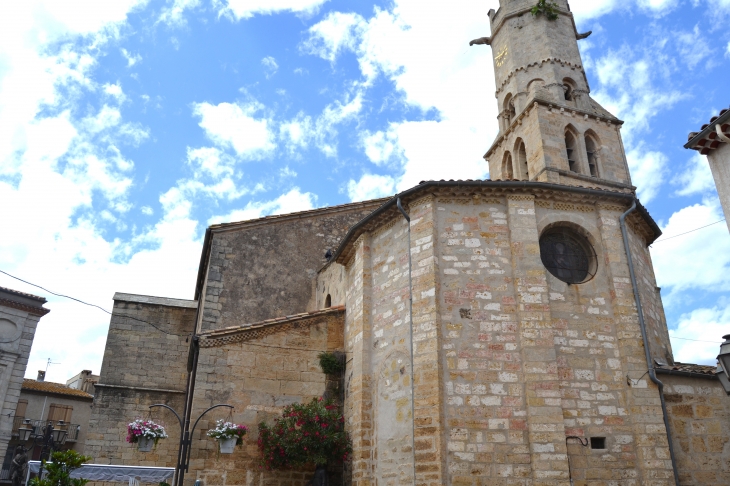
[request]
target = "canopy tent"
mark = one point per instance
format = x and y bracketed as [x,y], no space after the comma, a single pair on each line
[111,472]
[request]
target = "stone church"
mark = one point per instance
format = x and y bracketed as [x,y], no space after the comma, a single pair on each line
[497,332]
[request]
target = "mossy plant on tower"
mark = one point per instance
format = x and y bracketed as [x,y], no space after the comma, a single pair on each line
[550,9]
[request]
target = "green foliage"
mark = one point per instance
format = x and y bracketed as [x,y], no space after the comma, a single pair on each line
[163,483]
[58,471]
[547,8]
[330,363]
[306,435]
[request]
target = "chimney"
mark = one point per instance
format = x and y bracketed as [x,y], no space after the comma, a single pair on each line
[41,375]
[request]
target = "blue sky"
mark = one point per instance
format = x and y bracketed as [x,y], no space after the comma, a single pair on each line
[127,127]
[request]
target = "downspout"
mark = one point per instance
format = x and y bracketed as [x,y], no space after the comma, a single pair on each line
[410,330]
[642,325]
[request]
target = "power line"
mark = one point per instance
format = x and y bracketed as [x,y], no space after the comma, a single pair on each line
[91,305]
[687,232]
[698,340]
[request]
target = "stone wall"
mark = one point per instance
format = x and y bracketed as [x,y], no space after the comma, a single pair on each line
[258,369]
[265,268]
[142,366]
[332,281]
[19,316]
[524,359]
[719,160]
[699,411]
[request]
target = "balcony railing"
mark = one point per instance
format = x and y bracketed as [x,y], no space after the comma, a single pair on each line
[72,430]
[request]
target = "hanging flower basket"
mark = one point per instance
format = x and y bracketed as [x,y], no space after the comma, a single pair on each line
[228,435]
[145,433]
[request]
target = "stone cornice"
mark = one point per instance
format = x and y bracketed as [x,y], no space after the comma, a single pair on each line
[491,190]
[262,329]
[551,60]
[36,311]
[138,388]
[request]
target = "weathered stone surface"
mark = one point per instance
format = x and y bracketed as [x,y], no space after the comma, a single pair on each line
[265,268]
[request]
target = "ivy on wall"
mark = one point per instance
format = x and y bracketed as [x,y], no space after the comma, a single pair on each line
[549,9]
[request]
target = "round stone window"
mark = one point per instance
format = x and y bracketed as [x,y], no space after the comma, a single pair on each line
[567,255]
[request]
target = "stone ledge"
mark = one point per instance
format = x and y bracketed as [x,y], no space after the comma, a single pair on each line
[150,299]
[138,388]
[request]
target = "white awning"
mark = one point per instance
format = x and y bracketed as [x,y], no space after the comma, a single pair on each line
[111,472]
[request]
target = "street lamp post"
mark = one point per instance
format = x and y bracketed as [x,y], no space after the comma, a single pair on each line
[183,453]
[48,438]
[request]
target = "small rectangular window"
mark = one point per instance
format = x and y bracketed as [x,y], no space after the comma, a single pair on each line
[598,442]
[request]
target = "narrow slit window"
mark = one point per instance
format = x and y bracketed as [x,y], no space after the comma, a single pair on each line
[507,172]
[328,301]
[592,158]
[571,152]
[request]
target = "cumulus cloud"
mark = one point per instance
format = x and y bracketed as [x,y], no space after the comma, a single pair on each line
[370,186]
[132,59]
[426,56]
[290,202]
[696,177]
[648,170]
[235,125]
[243,9]
[174,14]
[682,263]
[270,66]
[702,330]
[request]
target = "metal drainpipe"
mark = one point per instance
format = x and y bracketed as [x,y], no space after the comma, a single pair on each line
[410,330]
[642,325]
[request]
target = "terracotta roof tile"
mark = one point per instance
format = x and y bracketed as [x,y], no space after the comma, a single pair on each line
[23,294]
[56,388]
[269,322]
[688,369]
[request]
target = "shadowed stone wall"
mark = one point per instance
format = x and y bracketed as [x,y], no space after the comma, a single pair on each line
[265,268]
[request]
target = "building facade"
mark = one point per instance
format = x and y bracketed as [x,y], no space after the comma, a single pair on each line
[713,140]
[500,332]
[19,316]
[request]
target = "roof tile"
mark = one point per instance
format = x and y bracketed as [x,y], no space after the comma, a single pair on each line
[56,388]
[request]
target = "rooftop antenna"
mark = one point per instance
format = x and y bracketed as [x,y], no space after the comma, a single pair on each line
[49,363]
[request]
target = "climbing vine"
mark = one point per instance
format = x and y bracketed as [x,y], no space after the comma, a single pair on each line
[550,9]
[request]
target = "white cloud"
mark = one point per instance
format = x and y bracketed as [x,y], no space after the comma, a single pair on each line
[699,326]
[234,125]
[727,50]
[370,186]
[648,169]
[696,178]
[270,66]
[132,59]
[173,15]
[243,9]
[682,263]
[430,72]
[330,36]
[290,202]
[693,47]
[115,91]
[380,147]
[147,211]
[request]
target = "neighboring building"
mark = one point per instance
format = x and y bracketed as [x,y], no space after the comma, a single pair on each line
[714,141]
[42,402]
[527,337]
[84,381]
[19,316]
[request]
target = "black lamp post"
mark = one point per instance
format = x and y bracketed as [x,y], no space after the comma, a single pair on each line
[723,368]
[49,438]
[186,440]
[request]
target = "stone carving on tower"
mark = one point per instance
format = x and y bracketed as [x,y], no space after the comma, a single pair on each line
[550,129]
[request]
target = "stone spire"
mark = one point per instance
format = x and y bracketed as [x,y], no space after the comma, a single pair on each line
[550,129]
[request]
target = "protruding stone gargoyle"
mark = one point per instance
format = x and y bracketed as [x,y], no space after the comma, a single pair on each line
[487,41]
[583,35]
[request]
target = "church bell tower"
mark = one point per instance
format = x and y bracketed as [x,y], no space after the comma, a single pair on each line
[550,129]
